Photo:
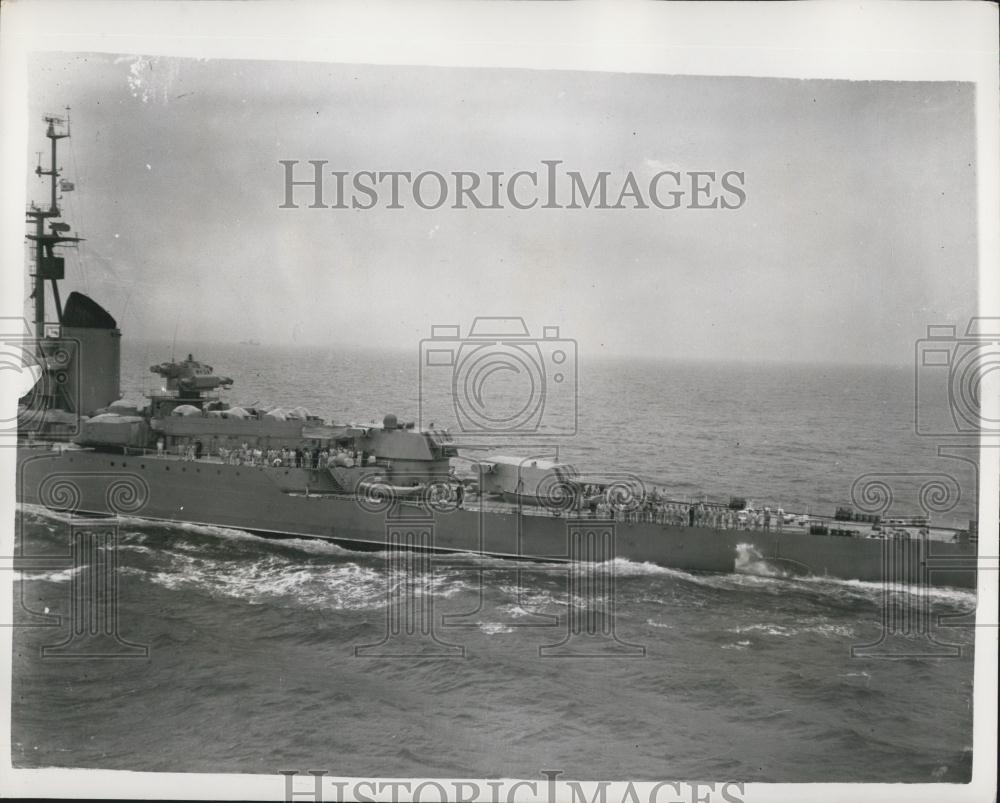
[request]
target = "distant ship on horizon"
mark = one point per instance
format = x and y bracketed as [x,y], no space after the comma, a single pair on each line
[250,342]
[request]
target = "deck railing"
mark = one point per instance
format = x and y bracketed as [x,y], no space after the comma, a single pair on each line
[665,512]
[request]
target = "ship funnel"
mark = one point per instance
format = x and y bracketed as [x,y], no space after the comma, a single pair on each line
[390,422]
[90,335]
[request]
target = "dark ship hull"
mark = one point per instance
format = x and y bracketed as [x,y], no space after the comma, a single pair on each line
[285,502]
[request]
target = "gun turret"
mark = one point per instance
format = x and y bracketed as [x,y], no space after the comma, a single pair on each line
[190,379]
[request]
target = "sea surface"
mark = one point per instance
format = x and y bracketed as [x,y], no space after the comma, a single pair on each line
[253,645]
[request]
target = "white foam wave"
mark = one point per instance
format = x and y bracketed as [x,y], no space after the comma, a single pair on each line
[495,628]
[344,586]
[314,545]
[623,567]
[771,630]
[964,598]
[515,611]
[44,512]
[840,631]
[750,561]
[787,631]
[537,600]
[532,598]
[752,570]
[770,576]
[61,576]
[142,549]
[215,530]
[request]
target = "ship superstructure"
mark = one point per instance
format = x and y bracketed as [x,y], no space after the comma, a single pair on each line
[77,351]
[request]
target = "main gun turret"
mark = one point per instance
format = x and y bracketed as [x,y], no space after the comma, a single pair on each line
[190,378]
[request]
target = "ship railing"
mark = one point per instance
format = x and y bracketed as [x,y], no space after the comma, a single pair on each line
[659,516]
[718,517]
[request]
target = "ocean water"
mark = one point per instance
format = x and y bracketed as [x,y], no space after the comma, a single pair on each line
[252,644]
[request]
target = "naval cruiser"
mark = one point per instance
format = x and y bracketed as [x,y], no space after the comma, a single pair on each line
[186,455]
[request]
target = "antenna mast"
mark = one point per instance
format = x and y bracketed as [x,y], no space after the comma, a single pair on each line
[47,264]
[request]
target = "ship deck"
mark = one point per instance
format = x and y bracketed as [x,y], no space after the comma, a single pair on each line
[475,503]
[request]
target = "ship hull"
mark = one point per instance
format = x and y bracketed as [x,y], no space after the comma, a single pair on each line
[298,502]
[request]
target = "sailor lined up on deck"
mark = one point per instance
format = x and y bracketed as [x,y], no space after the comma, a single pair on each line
[299,457]
[290,458]
[657,509]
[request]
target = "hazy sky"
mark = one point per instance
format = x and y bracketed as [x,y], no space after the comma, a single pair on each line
[858,229]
